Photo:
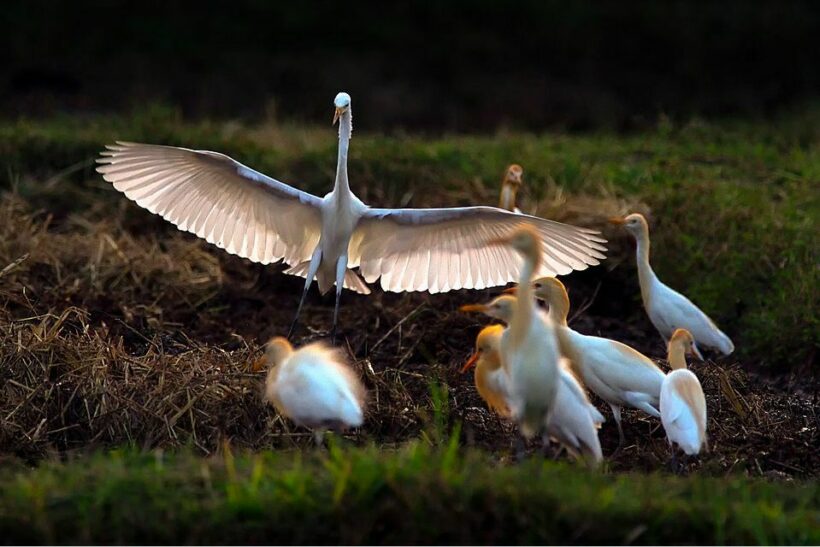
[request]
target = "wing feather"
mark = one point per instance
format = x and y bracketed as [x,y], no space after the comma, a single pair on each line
[448,246]
[218,199]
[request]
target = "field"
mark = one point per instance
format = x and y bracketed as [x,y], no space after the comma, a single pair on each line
[125,345]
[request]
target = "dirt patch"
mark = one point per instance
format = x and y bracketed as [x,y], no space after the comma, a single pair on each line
[116,328]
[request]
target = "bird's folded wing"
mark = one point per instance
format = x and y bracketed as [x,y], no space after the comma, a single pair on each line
[218,199]
[439,250]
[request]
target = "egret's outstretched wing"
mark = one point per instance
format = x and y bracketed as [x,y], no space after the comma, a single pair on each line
[438,250]
[218,199]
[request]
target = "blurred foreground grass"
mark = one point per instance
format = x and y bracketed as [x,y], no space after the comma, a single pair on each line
[415,494]
[734,207]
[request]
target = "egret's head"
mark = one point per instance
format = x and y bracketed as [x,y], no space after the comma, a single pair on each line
[514,175]
[500,308]
[635,223]
[342,104]
[486,344]
[278,350]
[549,289]
[524,239]
[683,339]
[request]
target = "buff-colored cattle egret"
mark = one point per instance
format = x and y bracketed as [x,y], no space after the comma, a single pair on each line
[513,179]
[491,379]
[683,405]
[529,350]
[618,374]
[668,309]
[574,421]
[313,386]
[265,220]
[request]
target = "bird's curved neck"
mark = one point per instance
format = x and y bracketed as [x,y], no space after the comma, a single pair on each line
[525,303]
[342,188]
[676,357]
[645,273]
[508,195]
[559,307]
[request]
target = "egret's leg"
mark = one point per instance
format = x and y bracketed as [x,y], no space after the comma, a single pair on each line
[341,268]
[616,413]
[315,260]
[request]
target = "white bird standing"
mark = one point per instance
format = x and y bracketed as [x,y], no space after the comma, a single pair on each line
[574,421]
[617,373]
[513,179]
[260,218]
[683,405]
[313,386]
[529,350]
[668,309]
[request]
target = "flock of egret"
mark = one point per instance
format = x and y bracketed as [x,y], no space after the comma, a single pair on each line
[532,368]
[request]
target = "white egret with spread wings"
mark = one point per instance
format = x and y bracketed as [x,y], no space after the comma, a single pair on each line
[264,220]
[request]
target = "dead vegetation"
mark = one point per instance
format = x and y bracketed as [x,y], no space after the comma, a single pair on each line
[116,329]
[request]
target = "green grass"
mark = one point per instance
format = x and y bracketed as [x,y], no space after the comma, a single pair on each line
[734,205]
[362,495]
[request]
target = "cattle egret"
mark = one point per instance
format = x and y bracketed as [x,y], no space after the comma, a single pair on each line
[513,179]
[618,374]
[574,421]
[683,405]
[264,220]
[491,379]
[313,386]
[668,309]
[529,350]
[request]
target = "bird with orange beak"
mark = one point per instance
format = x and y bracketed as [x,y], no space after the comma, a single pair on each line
[668,309]
[529,350]
[491,379]
[574,422]
[683,405]
[617,373]
[510,185]
[313,386]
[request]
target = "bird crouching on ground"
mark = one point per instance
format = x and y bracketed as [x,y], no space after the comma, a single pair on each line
[313,386]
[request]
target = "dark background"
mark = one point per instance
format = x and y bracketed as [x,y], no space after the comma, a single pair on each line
[429,66]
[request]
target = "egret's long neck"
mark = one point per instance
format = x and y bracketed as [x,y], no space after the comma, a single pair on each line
[342,187]
[676,357]
[508,194]
[525,303]
[645,273]
[559,307]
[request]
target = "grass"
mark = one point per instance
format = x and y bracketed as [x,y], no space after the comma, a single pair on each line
[415,494]
[733,206]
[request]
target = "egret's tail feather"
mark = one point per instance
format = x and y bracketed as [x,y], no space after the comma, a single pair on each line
[352,280]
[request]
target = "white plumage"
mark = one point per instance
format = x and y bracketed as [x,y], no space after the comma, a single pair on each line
[313,386]
[668,309]
[683,404]
[617,373]
[260,218]
[574,421]
[529,350]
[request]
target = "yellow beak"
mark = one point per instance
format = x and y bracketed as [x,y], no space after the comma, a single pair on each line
[259,364]
[618,221]
[336,115]
[473,307]
[471,362]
